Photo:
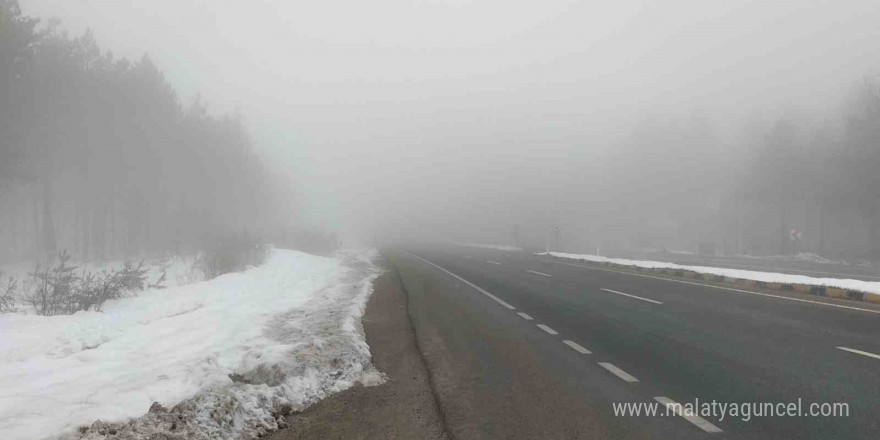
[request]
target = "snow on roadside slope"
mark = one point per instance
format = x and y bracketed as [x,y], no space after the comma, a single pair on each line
[289,331]
[769,277]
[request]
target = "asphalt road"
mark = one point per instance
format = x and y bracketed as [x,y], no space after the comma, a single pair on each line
[608,338]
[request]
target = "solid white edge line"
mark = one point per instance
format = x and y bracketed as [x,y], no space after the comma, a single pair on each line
[524,316]
[632,296]
[698,421]
[547,329]
[493,262]
[477,288]
[863,353]
[618,372]
[839,306]
[576,347]
[537,273]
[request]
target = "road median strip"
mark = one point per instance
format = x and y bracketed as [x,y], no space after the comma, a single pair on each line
[692,276]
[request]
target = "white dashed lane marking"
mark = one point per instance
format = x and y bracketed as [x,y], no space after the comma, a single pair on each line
[632,296]
[698,421]
[524,316]
[493,262]
[547,329]
[576,347]
[537,273]
[863,353]
[618,372]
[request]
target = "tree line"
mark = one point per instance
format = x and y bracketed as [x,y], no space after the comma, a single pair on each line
[824,174]
[746,192]
[99,156]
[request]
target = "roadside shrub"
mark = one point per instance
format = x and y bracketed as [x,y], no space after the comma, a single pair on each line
[132,278]
[52,287]
[231,256]
[92,291]
[57,290]
[7,296]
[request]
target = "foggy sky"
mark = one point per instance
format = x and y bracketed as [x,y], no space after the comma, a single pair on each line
[464,117]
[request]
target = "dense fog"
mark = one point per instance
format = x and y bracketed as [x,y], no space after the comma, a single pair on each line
[630,124]
[100,158]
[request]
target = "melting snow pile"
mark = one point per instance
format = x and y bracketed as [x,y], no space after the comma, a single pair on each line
[768,277]
[224,358]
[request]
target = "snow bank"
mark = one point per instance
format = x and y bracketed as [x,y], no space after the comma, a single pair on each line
[769,277]
[288,331]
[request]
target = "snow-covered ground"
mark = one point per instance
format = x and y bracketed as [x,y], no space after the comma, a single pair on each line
[769,277]
[289,331]
[497,247]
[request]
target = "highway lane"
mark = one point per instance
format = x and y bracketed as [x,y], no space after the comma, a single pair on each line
[679,341]
[497,374]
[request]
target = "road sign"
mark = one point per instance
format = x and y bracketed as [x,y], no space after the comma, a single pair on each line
[795,235]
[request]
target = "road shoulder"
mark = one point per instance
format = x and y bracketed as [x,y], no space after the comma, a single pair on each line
[401,408]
